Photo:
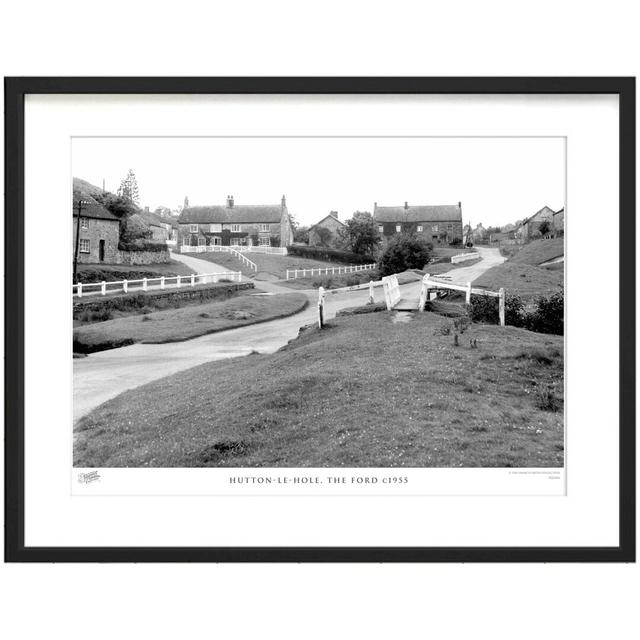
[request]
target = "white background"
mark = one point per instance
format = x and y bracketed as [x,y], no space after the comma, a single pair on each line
[462,38]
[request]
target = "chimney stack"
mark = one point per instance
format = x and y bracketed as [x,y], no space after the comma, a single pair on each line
[283,202]
[230,202]
[406,204]
[459,205]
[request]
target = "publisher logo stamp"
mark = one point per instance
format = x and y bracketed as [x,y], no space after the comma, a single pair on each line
[89,477]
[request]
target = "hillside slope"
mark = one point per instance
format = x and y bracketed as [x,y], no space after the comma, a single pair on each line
[539,251]
[366,391]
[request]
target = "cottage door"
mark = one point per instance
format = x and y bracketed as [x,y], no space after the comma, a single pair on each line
[101,250]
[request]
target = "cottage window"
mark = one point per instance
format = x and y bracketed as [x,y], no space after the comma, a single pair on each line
[263,242]
[201,241]
[435,228]
[235,228]
[380,228]
[398,228]
[84,224]
[85,245]
[186,241]
[215,228]
[235,242]
[264,227]
[419,228]
[193,228]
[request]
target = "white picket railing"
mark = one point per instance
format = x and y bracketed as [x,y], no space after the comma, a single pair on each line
[292,274]
[124,286]
[461,257]
[244,260]
[276,251]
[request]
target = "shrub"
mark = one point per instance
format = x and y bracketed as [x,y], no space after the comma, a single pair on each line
[404,252]
[141,245]
[486,309]
[547,400]
[328,254]
[549,315]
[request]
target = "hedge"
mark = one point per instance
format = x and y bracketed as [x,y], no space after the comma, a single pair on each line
[142,246]
[329,255]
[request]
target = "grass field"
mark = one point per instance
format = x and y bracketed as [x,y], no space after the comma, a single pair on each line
[539,251]
[114,272]
[366,391]
[445,267]
[272,264]
[521,279]
[447,252]
[173,325]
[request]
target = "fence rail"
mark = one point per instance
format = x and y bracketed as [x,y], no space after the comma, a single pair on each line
[172,282]
[276,251]
[461,257]
[292,274]
[428,284]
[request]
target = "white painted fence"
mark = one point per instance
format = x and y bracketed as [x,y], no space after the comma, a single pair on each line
[462,257]
[276,251]
[428,284]
[173,282]
[391,290]
[292,274]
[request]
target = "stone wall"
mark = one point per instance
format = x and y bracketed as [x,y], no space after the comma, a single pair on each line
[142,257]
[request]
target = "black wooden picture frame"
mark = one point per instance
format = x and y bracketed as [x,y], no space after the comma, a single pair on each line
[15,91]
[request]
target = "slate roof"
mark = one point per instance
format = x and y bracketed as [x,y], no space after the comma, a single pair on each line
[418,213]
[239,213]
[83,190]
[323,219]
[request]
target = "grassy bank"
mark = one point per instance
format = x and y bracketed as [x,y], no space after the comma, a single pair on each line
[174,325]
[521,279]
[366,391]
[445,267]
[539,251]
[272,264]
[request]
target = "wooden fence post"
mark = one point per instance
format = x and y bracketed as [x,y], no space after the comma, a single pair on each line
[193,279]
[178,280]
[424,293]
[370,291]
[79,287]
[103,288]
[320,307]
[162,282]
[125,286]
[501,307]
[468,294]
[144,284]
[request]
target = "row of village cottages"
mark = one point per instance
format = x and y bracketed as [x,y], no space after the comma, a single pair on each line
[244,225]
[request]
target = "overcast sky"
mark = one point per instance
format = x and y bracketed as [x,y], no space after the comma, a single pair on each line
[498,180]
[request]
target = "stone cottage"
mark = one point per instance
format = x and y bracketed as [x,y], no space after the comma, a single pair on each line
[437,224]
[326,233]
[558,221]
[99,233]
[530,228]
[236,225]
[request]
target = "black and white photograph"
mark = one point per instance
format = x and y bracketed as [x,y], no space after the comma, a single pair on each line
[318,302]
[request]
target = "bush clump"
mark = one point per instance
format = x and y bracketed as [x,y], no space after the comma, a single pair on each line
[404,252]
[547,317]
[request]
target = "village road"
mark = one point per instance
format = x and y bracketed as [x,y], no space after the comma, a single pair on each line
[104,375]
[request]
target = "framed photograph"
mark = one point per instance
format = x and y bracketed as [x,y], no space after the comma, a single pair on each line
[320,319]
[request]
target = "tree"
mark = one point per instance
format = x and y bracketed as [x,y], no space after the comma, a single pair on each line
[301,235]
[324,236]
[404,252]
[360,234]
[129,187]
[544,228]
